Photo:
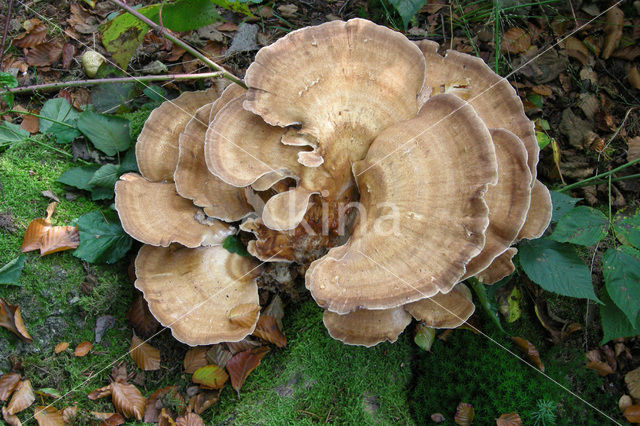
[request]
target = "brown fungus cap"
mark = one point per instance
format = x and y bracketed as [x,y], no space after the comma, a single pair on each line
[155,214]
[192,177]
[493,98]
[499,268]
[157,145]
[431,174]
[367,328]
[448,310]
[508,200]
[193,291]
[539,214]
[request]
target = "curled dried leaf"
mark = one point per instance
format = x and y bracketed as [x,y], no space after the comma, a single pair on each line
[48,416]
[218,355]
[613,29]
[203,400]
[509,419]
[22,398]
[33,235]
[530,350]
[632,414]
[516,40]
[624,402]
[245,314]
[114,419]
[11,319]
[464,414]
[100,393]
[210,376]
[141,319]
[128,400]
[243,363]
[34,35]
[59,238]
[8,383]
[11,419]
[83,348]
[60,347]
[190,419]
[69,414]
[632,379]
[144,355]
[267,329]
[195,358]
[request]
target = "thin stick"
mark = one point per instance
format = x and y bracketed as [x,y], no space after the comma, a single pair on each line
[226,74]
[6,28]
[587,181]
[75,83]
[59,151]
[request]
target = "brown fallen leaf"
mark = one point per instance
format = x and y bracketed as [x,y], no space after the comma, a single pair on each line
[613,29]
[114,419]
[98,415]
[35,33]
[48,416]
[11,319]
[245,314]
[44,55]
[165,418]
[11,419]
[50,195]
[602,368]
[227,26]
[60,347]
[30,123]
[128,400]
[243,345]
[516,40]
[634,77]
[530,350]
[154,403]
[33,235]
[243,363]
[22,398]
[210,377]
[509,419]
[218,355]
[437,417]
[190,419]
[632,414]
[69,414]
[144,355]
[267,329]
[68,51]
[624,402]
[464,414]
[59,238]
[632,379]
[203,400]
[83,348]
[141,319]
[8,383]
[577,49]
[100,393]
[195,358]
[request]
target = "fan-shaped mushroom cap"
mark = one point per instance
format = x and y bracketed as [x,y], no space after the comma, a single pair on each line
[499,268]
[153,213]
[157,146]
[539,214]
[448,310]
[194,180]
[192,291]
[433,171]
[508,200]
[493,98]
[367,328]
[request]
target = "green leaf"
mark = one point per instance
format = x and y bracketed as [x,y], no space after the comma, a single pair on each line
[535,99]
[621,270]
[102,238]
[112,97]
[10,133]
[556,267]
[581,225]
[407,8]
[107,133]
[59,109]
[10,273]
[562,203]
[187,15]
[614,322]
[122,36]
[627,227]
[233,245]
[101,193]
[8,80]
[106,176]
[79,177]
[128,162]
[543,139]
[487,304]
[425,336]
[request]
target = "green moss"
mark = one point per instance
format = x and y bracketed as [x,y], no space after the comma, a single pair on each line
[136,121]
[317,378]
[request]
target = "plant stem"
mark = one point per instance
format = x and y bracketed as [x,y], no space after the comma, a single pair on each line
[59,151]
[617,179]
[587,182]
[6,28]
[76,83]
[11,111]
[225,74]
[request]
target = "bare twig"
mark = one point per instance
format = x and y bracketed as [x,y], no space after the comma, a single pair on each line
[75,83]
[226,74]
[6,28]
[589,181]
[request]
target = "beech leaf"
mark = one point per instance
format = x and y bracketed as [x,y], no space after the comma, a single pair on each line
[243,363]
[141,319]
[60,347]
[267,329]
[195,358]
[8,383]
[11,419]
[11,319]
[244,315]
[48,416]
[100,393]
[59,238]
[464,414]
[83,348]
[144,355]
[509,419]
[210,376]
[632,413]
[22,398]
[190,419]
[602,368]
[128,400]
[530,350]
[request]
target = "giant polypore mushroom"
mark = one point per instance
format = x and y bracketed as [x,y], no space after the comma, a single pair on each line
[390,173]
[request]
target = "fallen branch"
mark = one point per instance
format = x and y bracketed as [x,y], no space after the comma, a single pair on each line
[225,74]
[75,83]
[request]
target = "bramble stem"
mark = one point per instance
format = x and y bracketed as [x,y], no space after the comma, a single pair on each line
[587,182]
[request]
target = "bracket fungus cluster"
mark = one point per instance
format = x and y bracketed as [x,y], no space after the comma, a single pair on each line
[384,171]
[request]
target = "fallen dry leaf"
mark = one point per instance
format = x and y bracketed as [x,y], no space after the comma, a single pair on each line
[100,393]
[634,77]
[267,329]
[11,419]
[624,402]
[114,419]
[210,377]
[516,40]
[190,419]
[243,345]
[602,368]
[50,195]
[44,55]
[60,347]
[437,417]
[48,416]
[140,317]
[464,414]
[203,400]
[632,414]
[509,419]
[243,363]
[8,383]
[577,49]
[165,419]
[530,350]
[218,355]
[100,415]
[633,153]
[154,403]
[22,398]
[128,400]
[245,314]
[69,414]
[68,51]
[59,238]
[35,33]
[632,379]
[11,319]
[30,123]
[195,358]
[227,26]
[33,235]
[613,29]
[144,355]
[83,348]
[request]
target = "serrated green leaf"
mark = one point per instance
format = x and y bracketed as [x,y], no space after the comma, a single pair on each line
[106,176]
[627,227]
[581,225]
[109,134]
[621,270]
[615,323]
[233,245]
[59,109]
[407,8]
[561,203]
[102,238]
[10,273]
[79,177]
[129,163]
[101,193]
[8,80]
[556,267]
[10,133]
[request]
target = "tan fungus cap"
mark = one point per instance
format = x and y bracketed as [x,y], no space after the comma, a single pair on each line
[448,310]
[367,328]
[539,214]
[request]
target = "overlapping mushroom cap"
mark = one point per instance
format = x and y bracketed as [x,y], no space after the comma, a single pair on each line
[389,171]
